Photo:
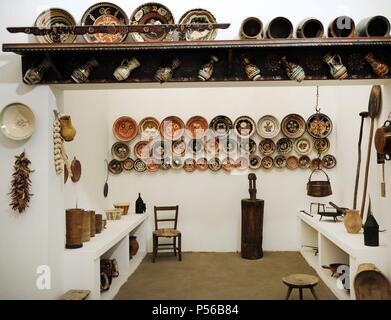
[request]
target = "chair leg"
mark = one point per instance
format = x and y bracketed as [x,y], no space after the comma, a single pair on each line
[301,293]
[289,293]
[314,293]
[180,247]
[174,246]
[154,247]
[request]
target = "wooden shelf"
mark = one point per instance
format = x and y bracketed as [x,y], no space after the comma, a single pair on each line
[266,54]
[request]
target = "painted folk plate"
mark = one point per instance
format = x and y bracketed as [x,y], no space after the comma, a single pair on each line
[128,164]
[172,128]
[221,125]
[165,164]
[319,126]
[142,150]
[189,165]
[229,146]
[196,146]
[316,164]
[115,166]
[321,145]
[284,145]
[228,164]
[149,128]
[177,163]
[140,166]
[267,162]
[244,127]
[292,162]
[158,150]
[212,146]
[202,164]
[120,151]
[241,163]
[248,146]
[303,146]
[329,161]
[55,17]
[179,148]
[199,16]
[293,126]
[151,13]
[104,14]
[280,161]
[254,162]
[268,127]
[214,164]
[196,127]
[152,165]
[304,162]
[17,121]
[267,147]
[125,129]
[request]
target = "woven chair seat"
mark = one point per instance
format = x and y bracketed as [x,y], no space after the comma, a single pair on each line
[167,232]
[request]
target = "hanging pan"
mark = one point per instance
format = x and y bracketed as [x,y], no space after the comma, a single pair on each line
[76,170]
[319,188]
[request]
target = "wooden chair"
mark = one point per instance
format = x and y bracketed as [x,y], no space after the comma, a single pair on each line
[166,233]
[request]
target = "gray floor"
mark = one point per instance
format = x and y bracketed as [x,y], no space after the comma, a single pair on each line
[218,276]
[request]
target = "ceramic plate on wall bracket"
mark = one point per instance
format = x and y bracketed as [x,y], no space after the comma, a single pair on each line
[304,162]
[221,125]
[140,166]
[329,161]
[267,162]
[128,164]
[125,129]
[199,16]
[120,151]
[202,164]
[228,164]
[284,145]
[151,13]
[303,146]
[293,126]
[255,162]
[55,17]
[244,127]
[280,161]
[319,126]
[115,166]
[267,147]
[149,128]
[268,127]
[17,121]
[321,145]
[196,127]
[248,146]
[104,14]
[142,150]
[172,128]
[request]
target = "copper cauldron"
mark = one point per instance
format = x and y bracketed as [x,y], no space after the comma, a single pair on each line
[319,188]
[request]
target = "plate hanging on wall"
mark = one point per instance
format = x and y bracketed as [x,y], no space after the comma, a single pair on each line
[293,126]
[321,145]
[303,146]
[319,126]
[17,121]
[104,14]
[228,164]
[199,16]
[329,161]
[128,164]
[149,128]
[268,127]
[267,147]
[280,161]
[172,128]
[142,150]
[284,145]
[221,125]
[244,127]
[115,166]
[202,164]
[255,162]
[125,129]
[151,13]
[120,151]
[196,127]
[267,162]
[304,162]
[139,165]
[292,162]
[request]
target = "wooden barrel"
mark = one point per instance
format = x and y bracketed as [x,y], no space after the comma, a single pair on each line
[98,223]
[252,229]
[74,220]
[371,284]
[85,234]
[92,223]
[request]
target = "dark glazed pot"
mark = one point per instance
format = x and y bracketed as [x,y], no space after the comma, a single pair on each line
[251,28]
[310,28]
[342,27]
[377,26]
[280,28]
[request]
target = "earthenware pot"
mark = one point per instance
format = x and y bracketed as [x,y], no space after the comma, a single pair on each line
[252,71]
[133,245]
[165,73]
[251,28]
[34,75]
[378,26]
[342,27]
[206,71]
[293,70]
[310,28]
[352,221]
[381,69]
[337,69]
[68,132]
[82,73]
[383,139]
[123,71]
[280,27]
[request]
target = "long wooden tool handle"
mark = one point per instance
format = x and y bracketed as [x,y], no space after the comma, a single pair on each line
[364,195]
[383,183]
[358,166]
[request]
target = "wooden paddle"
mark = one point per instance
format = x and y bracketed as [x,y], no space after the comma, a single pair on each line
[374,109]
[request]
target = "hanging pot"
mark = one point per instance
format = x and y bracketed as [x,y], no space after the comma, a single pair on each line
[319,188]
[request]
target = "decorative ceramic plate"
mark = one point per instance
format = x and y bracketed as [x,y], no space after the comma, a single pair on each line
[212,146]
[158,150]
[165,164]
[55,17]
[177,163]
[292,162]
[149,128]
[244,127]
[199,16]
[179,148]
[303,146]
[268,127]
[293,126]
[280,161]
[128,164]
[142,150]
[315,164]
[139,165]
[228,164]
[153,165]
[125,129]
[304,162]
[189,165]
[241,163]
[196,146]
[248,146]
[172,128]
[319,126]
[151,13]
[267,147]
[267,162]
[196,127]
[229,145]
[255,162]
[284,145]
[104,14]
[321,145]
[329,161]
[120,151]
[115,166]
[214,164]
[17,121]
[202,164]
[221,125]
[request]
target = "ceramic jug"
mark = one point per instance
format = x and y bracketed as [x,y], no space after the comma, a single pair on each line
[352,221]
[82,73]
[67,132]
[337,69]
[293,70]
[133,245]
[34,75]
[381,69]
[206,70]
[123,71]
[165,74]
[252,71]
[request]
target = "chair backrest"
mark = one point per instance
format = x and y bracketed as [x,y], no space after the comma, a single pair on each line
[171,208]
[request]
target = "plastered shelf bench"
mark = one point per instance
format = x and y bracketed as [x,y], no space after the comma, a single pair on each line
[335,245]
[82,266]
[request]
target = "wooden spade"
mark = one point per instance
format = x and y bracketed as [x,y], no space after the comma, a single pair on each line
[374,109]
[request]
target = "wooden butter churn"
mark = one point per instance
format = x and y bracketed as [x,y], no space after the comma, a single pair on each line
[252,223]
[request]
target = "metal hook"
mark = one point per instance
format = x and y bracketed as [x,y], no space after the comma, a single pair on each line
[317,109]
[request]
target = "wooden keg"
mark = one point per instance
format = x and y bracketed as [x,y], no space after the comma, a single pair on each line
[86,233]
[74,221]
[92,223]
[98,223]
[252,229]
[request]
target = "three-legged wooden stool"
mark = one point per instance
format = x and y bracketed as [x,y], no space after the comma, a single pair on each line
[300,281]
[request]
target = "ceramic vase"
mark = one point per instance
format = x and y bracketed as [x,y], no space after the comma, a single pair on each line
[337,69]
[67,132]
[381,69]
[206,71]
[252,71]
[352,221]
[165,74]
[293,70]
[133,245]
[82,73]
[124,70]
[34,75]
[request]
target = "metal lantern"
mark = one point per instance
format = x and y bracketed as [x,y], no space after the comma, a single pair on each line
[140,205]
[371,230]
